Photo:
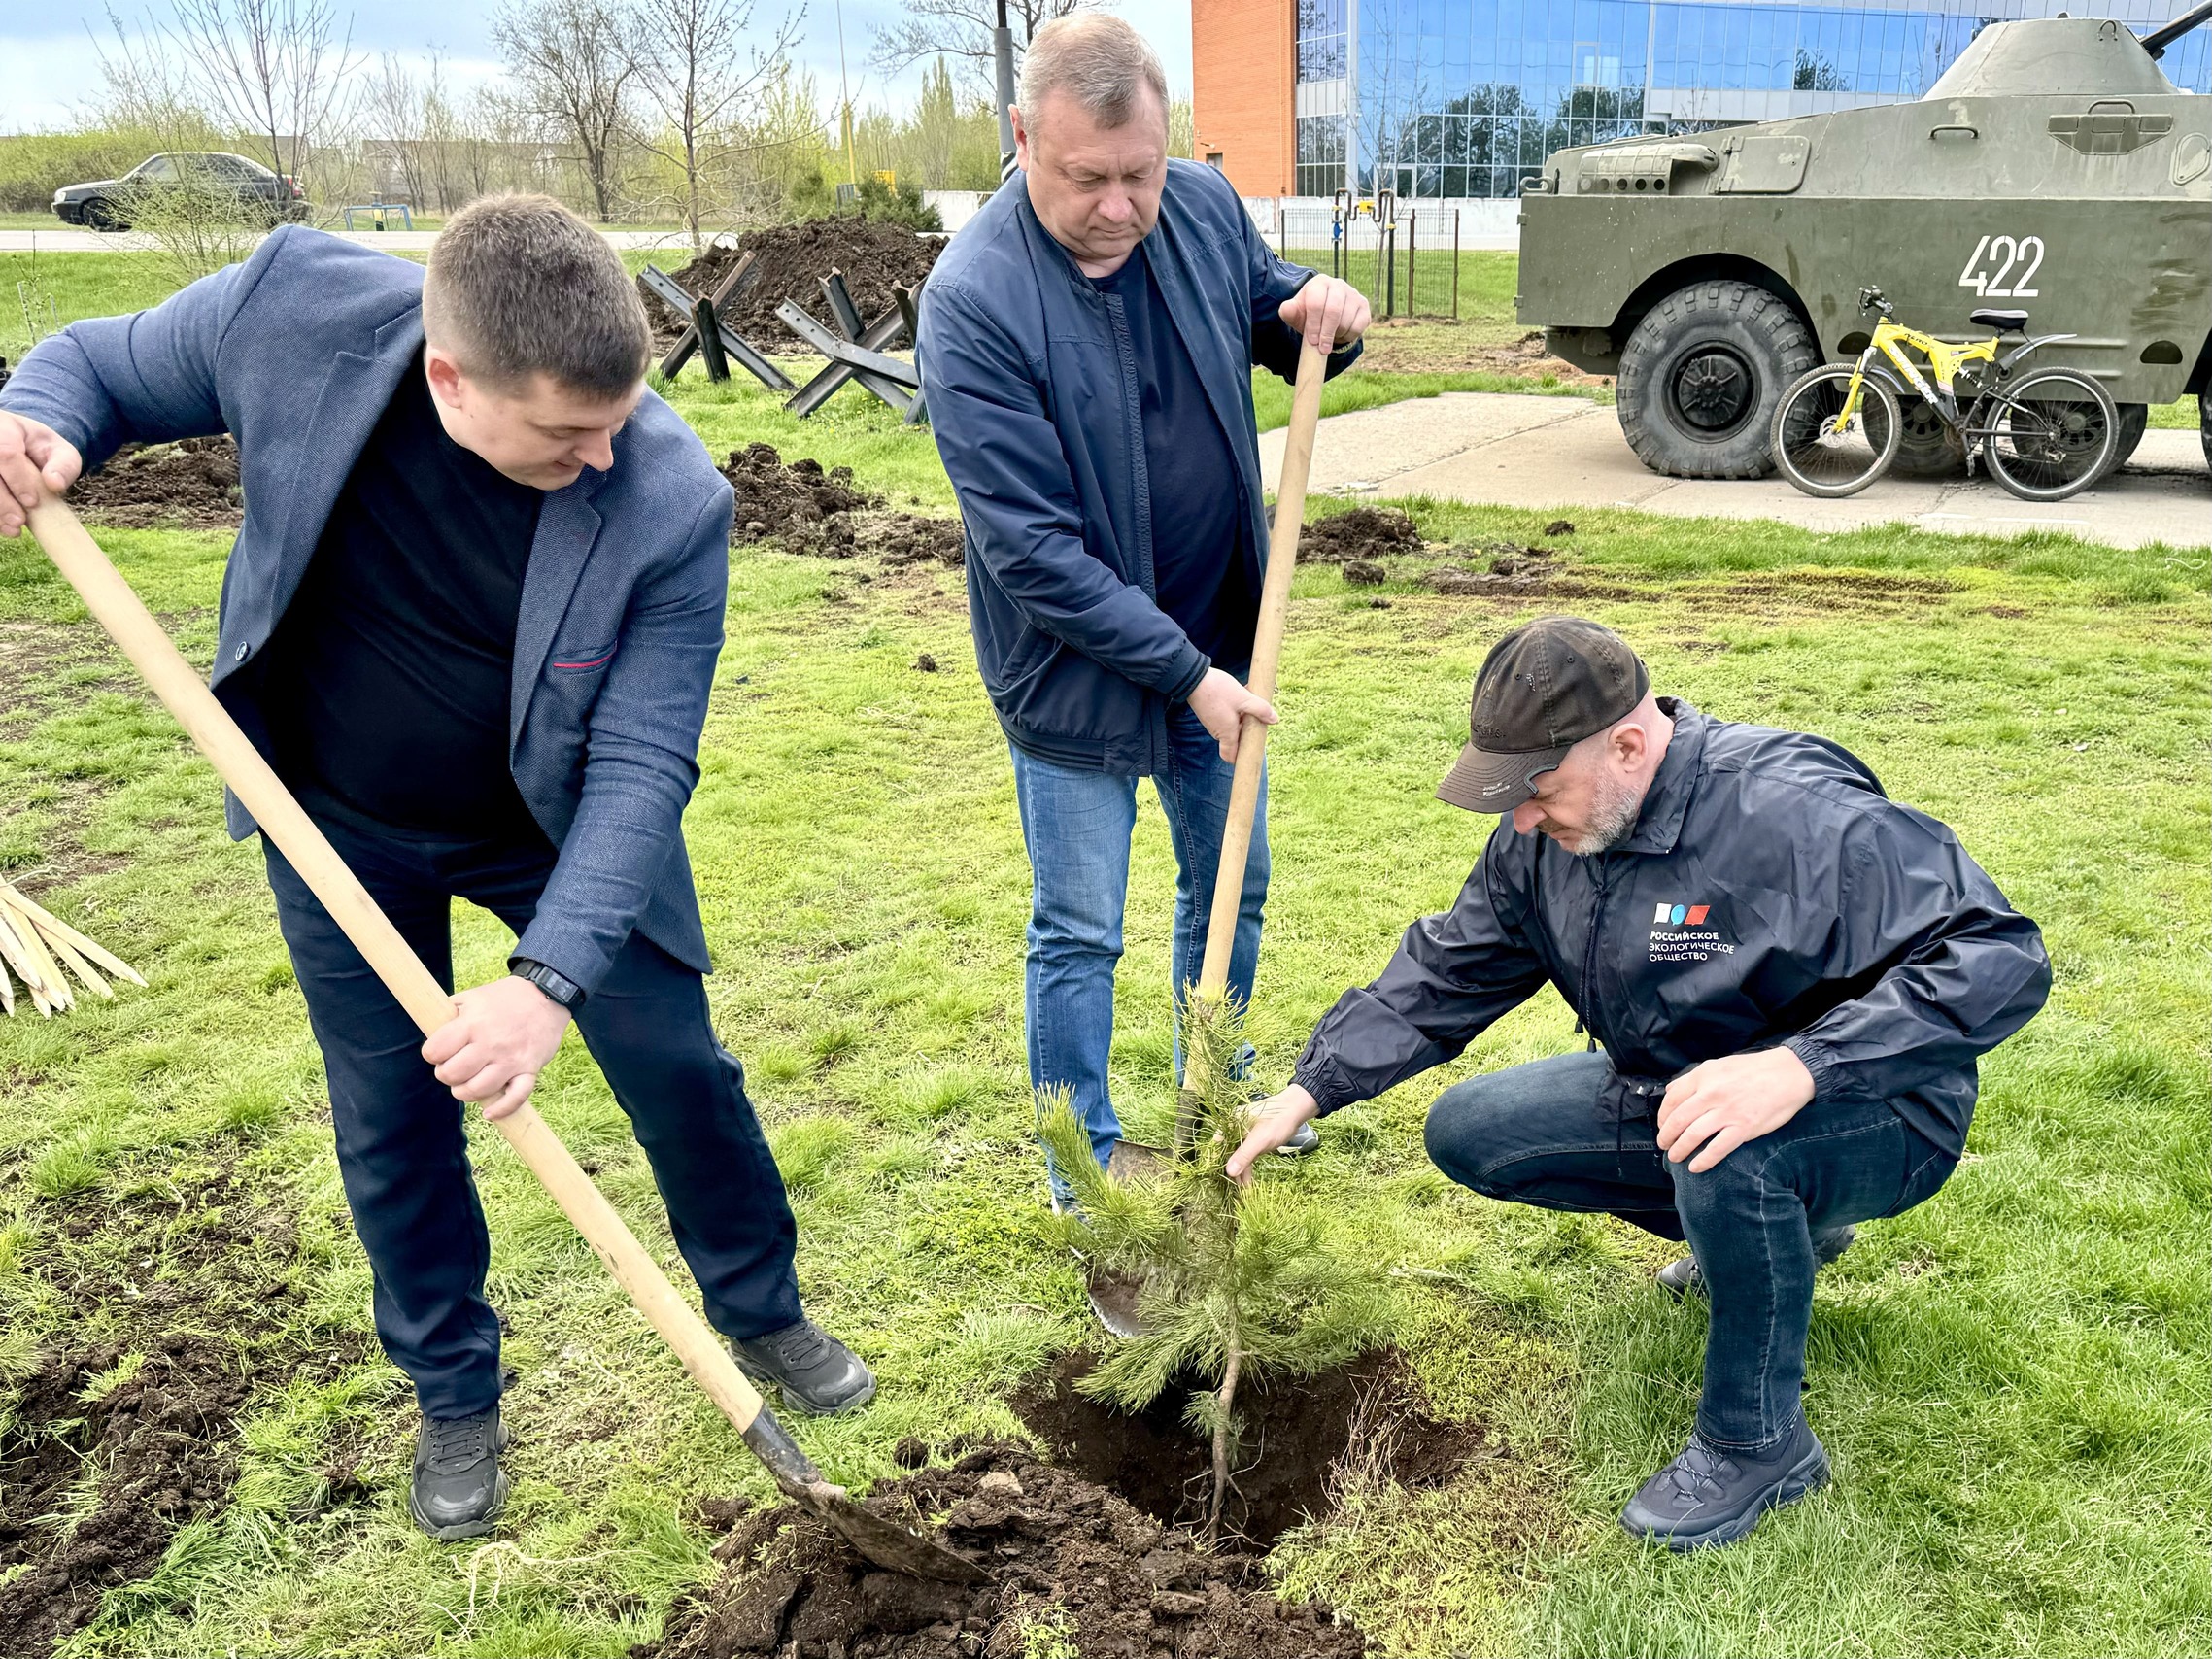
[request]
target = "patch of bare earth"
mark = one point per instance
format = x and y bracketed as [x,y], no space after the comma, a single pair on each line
[114,1440]
[1425,346]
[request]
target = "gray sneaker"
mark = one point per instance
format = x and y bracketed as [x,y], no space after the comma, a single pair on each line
[1304,1141]
[1677,1278]
[459,1488]
[818,1374]
[1711,1496]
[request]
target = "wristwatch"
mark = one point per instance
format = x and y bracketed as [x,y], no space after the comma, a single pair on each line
[558,986]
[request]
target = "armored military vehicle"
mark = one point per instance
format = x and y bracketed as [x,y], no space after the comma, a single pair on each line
[2053,168]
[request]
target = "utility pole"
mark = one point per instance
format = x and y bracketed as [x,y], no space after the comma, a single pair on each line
[1002,50]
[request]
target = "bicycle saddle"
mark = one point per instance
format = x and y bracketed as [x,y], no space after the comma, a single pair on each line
[2004,321]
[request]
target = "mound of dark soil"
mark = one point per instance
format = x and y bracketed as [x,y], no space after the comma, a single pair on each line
[1364,533]
[1297,1435]
[788,501]
[192,485]
[794,259]
[805,509]
[203,1297]
[1073,1568]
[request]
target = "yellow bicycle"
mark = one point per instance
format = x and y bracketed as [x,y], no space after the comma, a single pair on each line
[2045,433]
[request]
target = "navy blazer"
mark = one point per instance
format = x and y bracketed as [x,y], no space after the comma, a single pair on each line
[296,352]
[1035,400]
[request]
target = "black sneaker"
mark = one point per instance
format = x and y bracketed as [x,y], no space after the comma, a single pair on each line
[460,1488]
[1707,1497]
[818,1373]
[1679,1277]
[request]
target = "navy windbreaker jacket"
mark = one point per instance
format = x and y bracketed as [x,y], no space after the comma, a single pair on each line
[1770,895]
[1034,397]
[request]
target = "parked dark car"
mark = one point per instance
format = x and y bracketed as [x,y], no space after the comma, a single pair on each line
[105,204]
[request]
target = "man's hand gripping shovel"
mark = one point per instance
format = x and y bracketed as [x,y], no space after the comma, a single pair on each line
[118,609]
[1113,1298]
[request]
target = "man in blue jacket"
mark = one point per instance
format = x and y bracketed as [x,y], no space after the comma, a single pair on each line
[1791,977]
[1087,343]
[472,618]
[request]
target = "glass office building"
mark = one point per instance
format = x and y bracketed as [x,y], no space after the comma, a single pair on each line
[1466,97]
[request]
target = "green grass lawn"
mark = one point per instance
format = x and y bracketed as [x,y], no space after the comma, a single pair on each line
[2011,1380]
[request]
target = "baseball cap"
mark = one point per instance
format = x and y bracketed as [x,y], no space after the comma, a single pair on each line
[1542,690]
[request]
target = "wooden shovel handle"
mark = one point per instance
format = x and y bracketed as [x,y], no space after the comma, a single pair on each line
[175,681]
[1267,654]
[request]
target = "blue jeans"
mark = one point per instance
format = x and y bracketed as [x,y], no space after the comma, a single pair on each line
[1534,1135]
[1077,826]
[402,1152]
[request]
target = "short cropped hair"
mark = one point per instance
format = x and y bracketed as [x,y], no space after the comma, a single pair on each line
[519,285]
[1098,61]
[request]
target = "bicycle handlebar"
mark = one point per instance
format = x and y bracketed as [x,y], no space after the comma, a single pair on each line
[1870,299]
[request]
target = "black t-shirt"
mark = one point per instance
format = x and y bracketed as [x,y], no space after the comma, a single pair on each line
[1198,522]
[387,685]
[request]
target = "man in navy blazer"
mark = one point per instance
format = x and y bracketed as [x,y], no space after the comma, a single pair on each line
[472,618]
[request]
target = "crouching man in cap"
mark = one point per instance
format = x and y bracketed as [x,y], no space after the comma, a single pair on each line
[1788,979]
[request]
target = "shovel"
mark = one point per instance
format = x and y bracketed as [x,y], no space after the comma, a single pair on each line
[1114,1299]
[119,610]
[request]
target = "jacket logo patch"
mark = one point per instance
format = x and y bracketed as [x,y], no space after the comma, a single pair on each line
[1679,935]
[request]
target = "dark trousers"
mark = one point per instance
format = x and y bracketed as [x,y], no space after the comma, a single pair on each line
[401,1148]
[1534,1135]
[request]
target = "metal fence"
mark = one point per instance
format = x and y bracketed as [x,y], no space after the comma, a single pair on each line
[1405,260]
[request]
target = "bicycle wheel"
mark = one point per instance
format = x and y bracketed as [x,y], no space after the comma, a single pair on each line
[2051,434]
[1822,457]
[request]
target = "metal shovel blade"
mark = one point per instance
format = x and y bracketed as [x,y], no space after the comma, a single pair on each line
[1114,1297]
[887,1543]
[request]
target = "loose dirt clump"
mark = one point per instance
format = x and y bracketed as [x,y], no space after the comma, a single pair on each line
[114,1442]
[1364,532]
[1297,1431]
[803,508]
[1070,1567]
[191,485]
[794,259]
[1361,573]
[789,501]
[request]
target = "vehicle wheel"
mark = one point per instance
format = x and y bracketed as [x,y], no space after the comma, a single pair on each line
[1927,445]
[2049,435]
[1702,375]
[2134,421]
[100,214]
[2204,423]
[1810,450]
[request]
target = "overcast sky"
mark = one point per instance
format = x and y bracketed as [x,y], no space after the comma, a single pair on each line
[49,69]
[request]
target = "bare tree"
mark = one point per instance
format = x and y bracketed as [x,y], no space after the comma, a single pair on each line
[962,29]
[393,102]
[575,66]
[281,69]
[692,72]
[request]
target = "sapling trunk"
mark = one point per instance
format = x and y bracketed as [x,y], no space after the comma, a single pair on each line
[1225,1406]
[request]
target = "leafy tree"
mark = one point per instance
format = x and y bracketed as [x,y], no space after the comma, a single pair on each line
[1238,1281]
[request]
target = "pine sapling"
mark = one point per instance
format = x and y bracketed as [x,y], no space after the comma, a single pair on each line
[1237,1282]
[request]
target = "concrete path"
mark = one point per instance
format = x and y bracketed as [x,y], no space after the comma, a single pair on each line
[1567,452]
[65,238]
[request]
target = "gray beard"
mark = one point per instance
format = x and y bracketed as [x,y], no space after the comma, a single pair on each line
[1611,821]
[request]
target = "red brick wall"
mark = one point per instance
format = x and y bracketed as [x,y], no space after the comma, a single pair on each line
[1242,73]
